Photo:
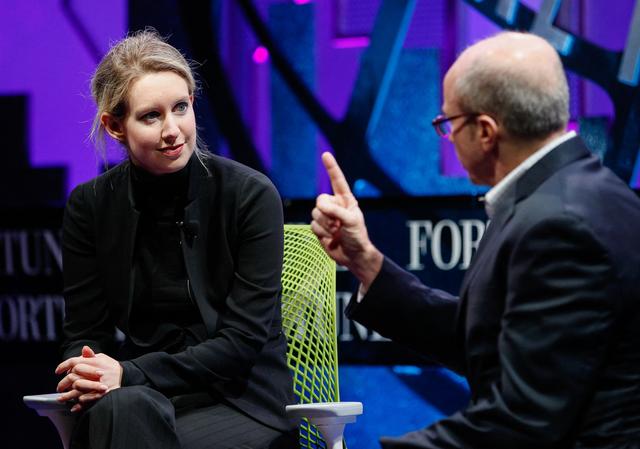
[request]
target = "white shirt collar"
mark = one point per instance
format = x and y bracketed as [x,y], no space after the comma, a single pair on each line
[496,193]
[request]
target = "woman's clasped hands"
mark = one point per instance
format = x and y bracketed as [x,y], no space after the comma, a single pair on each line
[87,378]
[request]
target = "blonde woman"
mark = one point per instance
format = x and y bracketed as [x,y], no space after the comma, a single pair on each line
[182,252]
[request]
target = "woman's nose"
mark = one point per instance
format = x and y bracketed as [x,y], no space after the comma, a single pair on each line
[170,130]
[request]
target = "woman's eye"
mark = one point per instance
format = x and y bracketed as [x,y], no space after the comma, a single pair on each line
[182,106]
[150,116]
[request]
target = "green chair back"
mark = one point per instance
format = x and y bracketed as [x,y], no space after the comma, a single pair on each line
[309,322]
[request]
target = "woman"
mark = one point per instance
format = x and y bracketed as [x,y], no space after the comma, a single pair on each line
[182,252]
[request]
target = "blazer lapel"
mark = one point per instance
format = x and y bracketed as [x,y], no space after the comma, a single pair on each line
[132,225]
[119,224]
[194,237]
[492,233]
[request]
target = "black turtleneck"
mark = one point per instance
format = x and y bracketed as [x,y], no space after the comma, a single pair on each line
[163,315]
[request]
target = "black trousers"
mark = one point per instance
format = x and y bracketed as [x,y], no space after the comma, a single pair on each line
[139,417]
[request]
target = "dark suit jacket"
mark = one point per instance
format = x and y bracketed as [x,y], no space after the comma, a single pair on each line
[547,325]
[232,246]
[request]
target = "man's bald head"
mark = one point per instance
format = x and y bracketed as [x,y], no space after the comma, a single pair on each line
[516,78]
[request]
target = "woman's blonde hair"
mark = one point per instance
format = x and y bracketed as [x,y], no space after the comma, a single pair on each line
[129,59]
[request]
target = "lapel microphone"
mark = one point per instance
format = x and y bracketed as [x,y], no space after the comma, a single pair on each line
[190,228]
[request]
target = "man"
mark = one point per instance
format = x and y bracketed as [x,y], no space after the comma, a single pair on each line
[547,324]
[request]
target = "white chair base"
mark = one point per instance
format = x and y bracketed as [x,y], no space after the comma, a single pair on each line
[329,418]
[58,412]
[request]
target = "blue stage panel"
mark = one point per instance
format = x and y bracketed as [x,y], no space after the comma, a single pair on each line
[404,143]
[293,134]
[398,399]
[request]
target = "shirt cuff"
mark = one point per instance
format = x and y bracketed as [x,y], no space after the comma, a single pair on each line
[361,292]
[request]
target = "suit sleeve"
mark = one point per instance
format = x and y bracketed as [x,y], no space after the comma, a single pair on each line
[250,307]
[400,307]
[556,327]
[87,320]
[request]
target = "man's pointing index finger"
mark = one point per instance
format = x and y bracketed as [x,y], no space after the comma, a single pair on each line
[338,181]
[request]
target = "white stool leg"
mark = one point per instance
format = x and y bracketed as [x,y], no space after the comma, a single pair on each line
[63,421]
[332,435]
[48,405]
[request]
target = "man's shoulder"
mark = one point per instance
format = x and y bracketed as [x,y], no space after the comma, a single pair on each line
[584,180]
[584,194]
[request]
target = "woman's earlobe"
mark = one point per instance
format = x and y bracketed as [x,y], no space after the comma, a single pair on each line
[113,126]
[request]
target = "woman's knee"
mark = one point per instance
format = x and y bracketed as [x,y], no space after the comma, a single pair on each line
[137,398]
[133,416]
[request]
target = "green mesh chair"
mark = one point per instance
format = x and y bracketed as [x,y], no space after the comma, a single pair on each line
[309,323]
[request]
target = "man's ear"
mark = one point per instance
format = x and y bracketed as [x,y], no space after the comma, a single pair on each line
[488,130]
[113,126]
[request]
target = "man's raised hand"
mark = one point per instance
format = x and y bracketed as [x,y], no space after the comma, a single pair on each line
[339,224]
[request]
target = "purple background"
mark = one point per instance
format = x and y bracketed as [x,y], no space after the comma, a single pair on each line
[45,57]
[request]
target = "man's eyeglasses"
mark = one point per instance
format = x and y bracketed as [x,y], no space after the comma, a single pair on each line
[442,123]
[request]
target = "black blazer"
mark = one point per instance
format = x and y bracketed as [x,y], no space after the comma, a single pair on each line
[547,325]
[232,244]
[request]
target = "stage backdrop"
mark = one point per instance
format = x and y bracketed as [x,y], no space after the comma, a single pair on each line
[282,81]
